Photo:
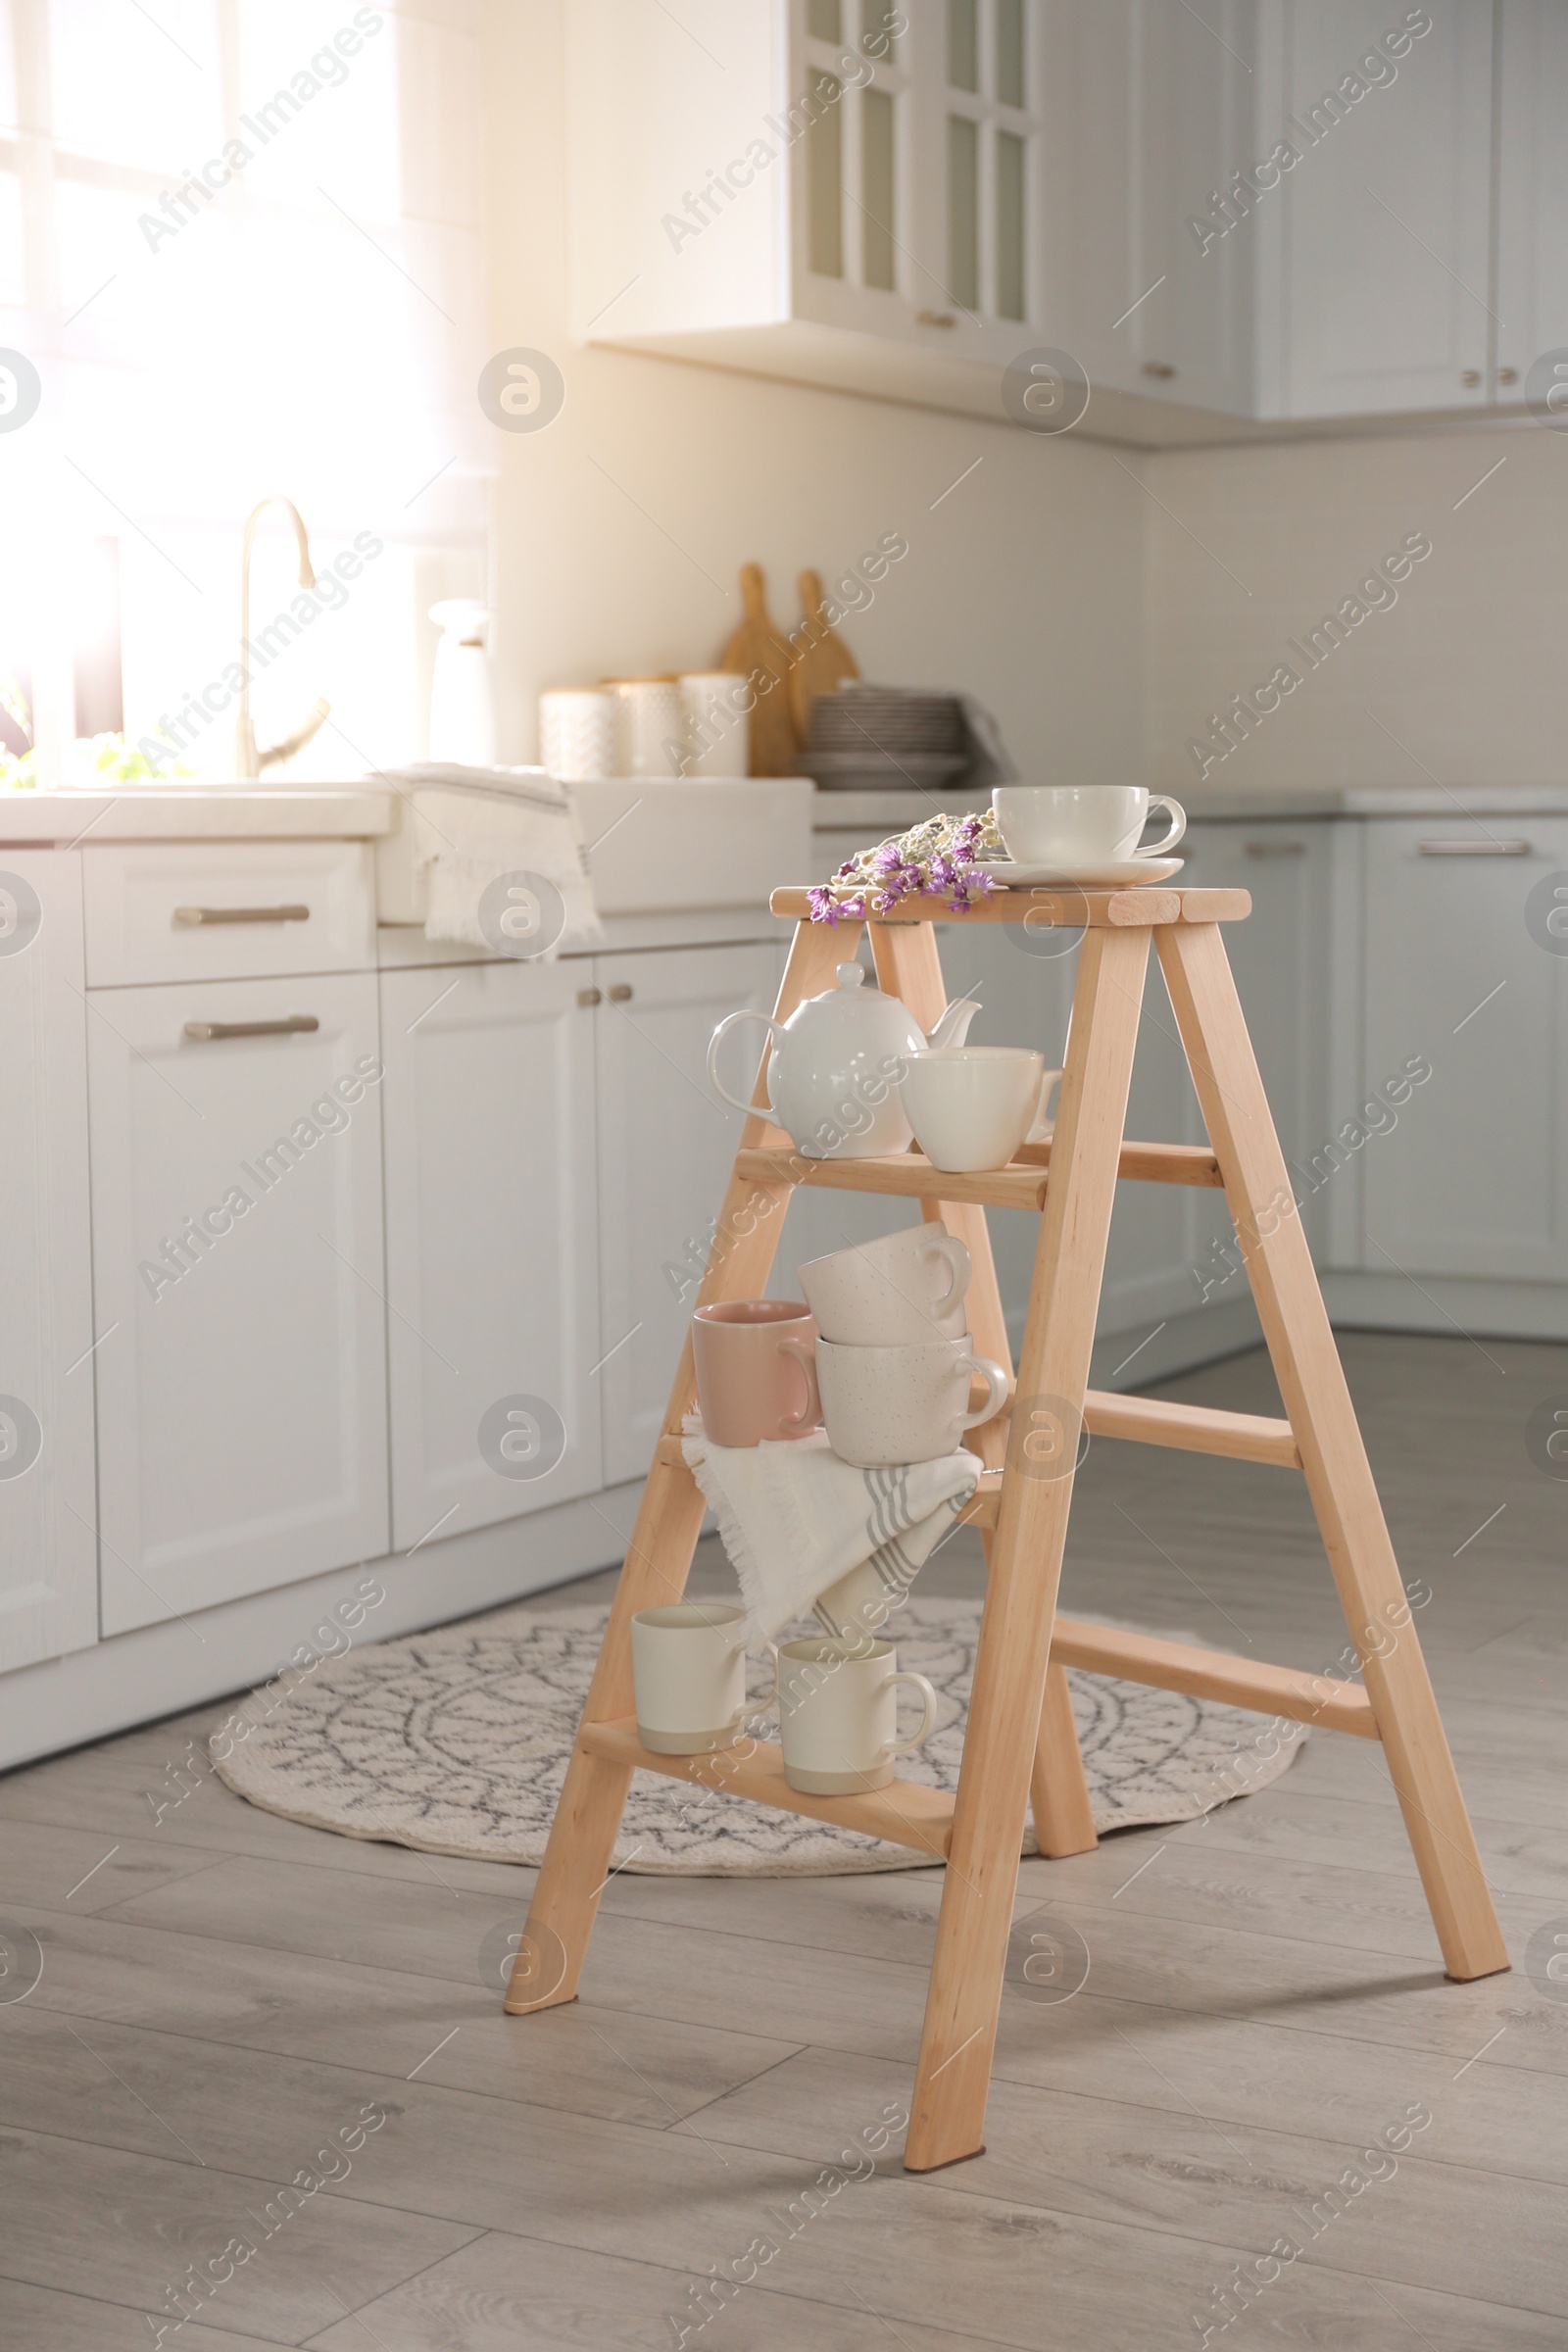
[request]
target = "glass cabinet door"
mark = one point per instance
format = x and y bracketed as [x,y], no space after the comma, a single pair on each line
[854,119]
[991,129]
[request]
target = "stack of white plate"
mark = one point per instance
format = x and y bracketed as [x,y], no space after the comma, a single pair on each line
[865,737]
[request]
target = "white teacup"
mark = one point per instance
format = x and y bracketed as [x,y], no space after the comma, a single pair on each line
[887,1406]
[688,1671]
[1068,825]
[973,1106]
[901,1289]
[838,1714]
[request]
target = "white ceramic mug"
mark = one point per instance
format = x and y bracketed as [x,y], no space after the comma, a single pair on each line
[883,1406]
[838,1714]
[900,1290]
[1069,825]
[688,1671]
[973,1106]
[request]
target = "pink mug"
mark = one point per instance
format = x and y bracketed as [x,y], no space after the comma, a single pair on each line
[754,1358]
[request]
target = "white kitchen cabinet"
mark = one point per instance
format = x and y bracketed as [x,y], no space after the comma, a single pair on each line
[665,1145]
[237,1267]
[1376,241]
[1148,107]
[492,1275]
[1532,286]
[778,186]
[1281,959]
[48,1544]
[1474,1179]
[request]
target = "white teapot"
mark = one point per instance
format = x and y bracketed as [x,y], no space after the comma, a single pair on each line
[837,1066]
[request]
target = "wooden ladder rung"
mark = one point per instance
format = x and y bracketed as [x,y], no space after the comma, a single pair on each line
[1021,1184]
[905,1811]
[1213,1674]
[1191,1428]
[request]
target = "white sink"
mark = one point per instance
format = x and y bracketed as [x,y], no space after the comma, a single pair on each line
[658,845]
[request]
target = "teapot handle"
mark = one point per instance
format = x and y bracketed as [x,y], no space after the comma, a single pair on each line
[748,1012]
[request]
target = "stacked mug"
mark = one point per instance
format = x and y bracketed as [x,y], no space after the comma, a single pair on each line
[893,1357]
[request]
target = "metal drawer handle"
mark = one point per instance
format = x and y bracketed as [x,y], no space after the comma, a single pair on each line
[208,1033]
[1276,848]
[590,996]
[190,916]
[620,993]
[1474,849]
[935,318]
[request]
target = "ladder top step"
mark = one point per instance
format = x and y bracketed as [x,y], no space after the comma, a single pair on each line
[1149,904]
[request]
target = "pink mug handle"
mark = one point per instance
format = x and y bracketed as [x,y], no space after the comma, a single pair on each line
[803,1353]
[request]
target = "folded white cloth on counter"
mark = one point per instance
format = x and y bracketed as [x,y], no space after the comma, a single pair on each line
[476,824]
[797,1522]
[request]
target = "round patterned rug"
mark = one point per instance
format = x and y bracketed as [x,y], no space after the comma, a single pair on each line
[456,1743]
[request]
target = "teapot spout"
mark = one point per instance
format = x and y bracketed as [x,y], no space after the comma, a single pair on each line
[954,1026]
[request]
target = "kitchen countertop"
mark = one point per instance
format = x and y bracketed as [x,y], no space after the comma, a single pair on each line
[874,815]
[198,812]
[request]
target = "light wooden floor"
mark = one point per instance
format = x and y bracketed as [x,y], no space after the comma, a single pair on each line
[226,1991]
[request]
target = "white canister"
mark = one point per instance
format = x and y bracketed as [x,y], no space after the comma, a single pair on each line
[649,726]
[717,707]
[577,735]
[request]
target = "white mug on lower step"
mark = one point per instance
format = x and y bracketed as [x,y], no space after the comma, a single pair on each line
[688,1671]
[838,1714]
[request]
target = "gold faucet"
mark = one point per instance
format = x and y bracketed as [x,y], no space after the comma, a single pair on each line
[248,759]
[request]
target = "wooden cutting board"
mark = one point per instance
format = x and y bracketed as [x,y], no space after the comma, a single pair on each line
[773,746]
[824,658]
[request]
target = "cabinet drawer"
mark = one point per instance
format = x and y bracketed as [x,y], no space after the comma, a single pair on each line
[227,911]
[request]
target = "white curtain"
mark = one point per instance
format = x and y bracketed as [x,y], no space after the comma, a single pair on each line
[240,244]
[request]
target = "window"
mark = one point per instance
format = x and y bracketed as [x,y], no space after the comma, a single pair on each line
[239,244]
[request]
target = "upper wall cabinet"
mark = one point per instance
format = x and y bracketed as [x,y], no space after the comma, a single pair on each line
[1376,241]
[1532,285]
[1231,214]
[838,191]
[1148,106]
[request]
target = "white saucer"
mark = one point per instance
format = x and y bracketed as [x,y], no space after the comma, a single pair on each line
[1116,875]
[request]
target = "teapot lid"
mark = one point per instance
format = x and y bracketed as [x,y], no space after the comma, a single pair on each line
[853,975]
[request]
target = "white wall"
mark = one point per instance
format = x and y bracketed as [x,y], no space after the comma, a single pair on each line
[620,528]
[1464,671]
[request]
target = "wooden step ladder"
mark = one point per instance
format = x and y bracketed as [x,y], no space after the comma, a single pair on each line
[1020,1747]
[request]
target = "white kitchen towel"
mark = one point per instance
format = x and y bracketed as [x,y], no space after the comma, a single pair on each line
[474,825]
[796,1520]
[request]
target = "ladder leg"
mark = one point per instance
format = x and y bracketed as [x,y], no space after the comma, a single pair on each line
[582,1836]
[1058,1793]
[948,2117]
[1339,1477]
